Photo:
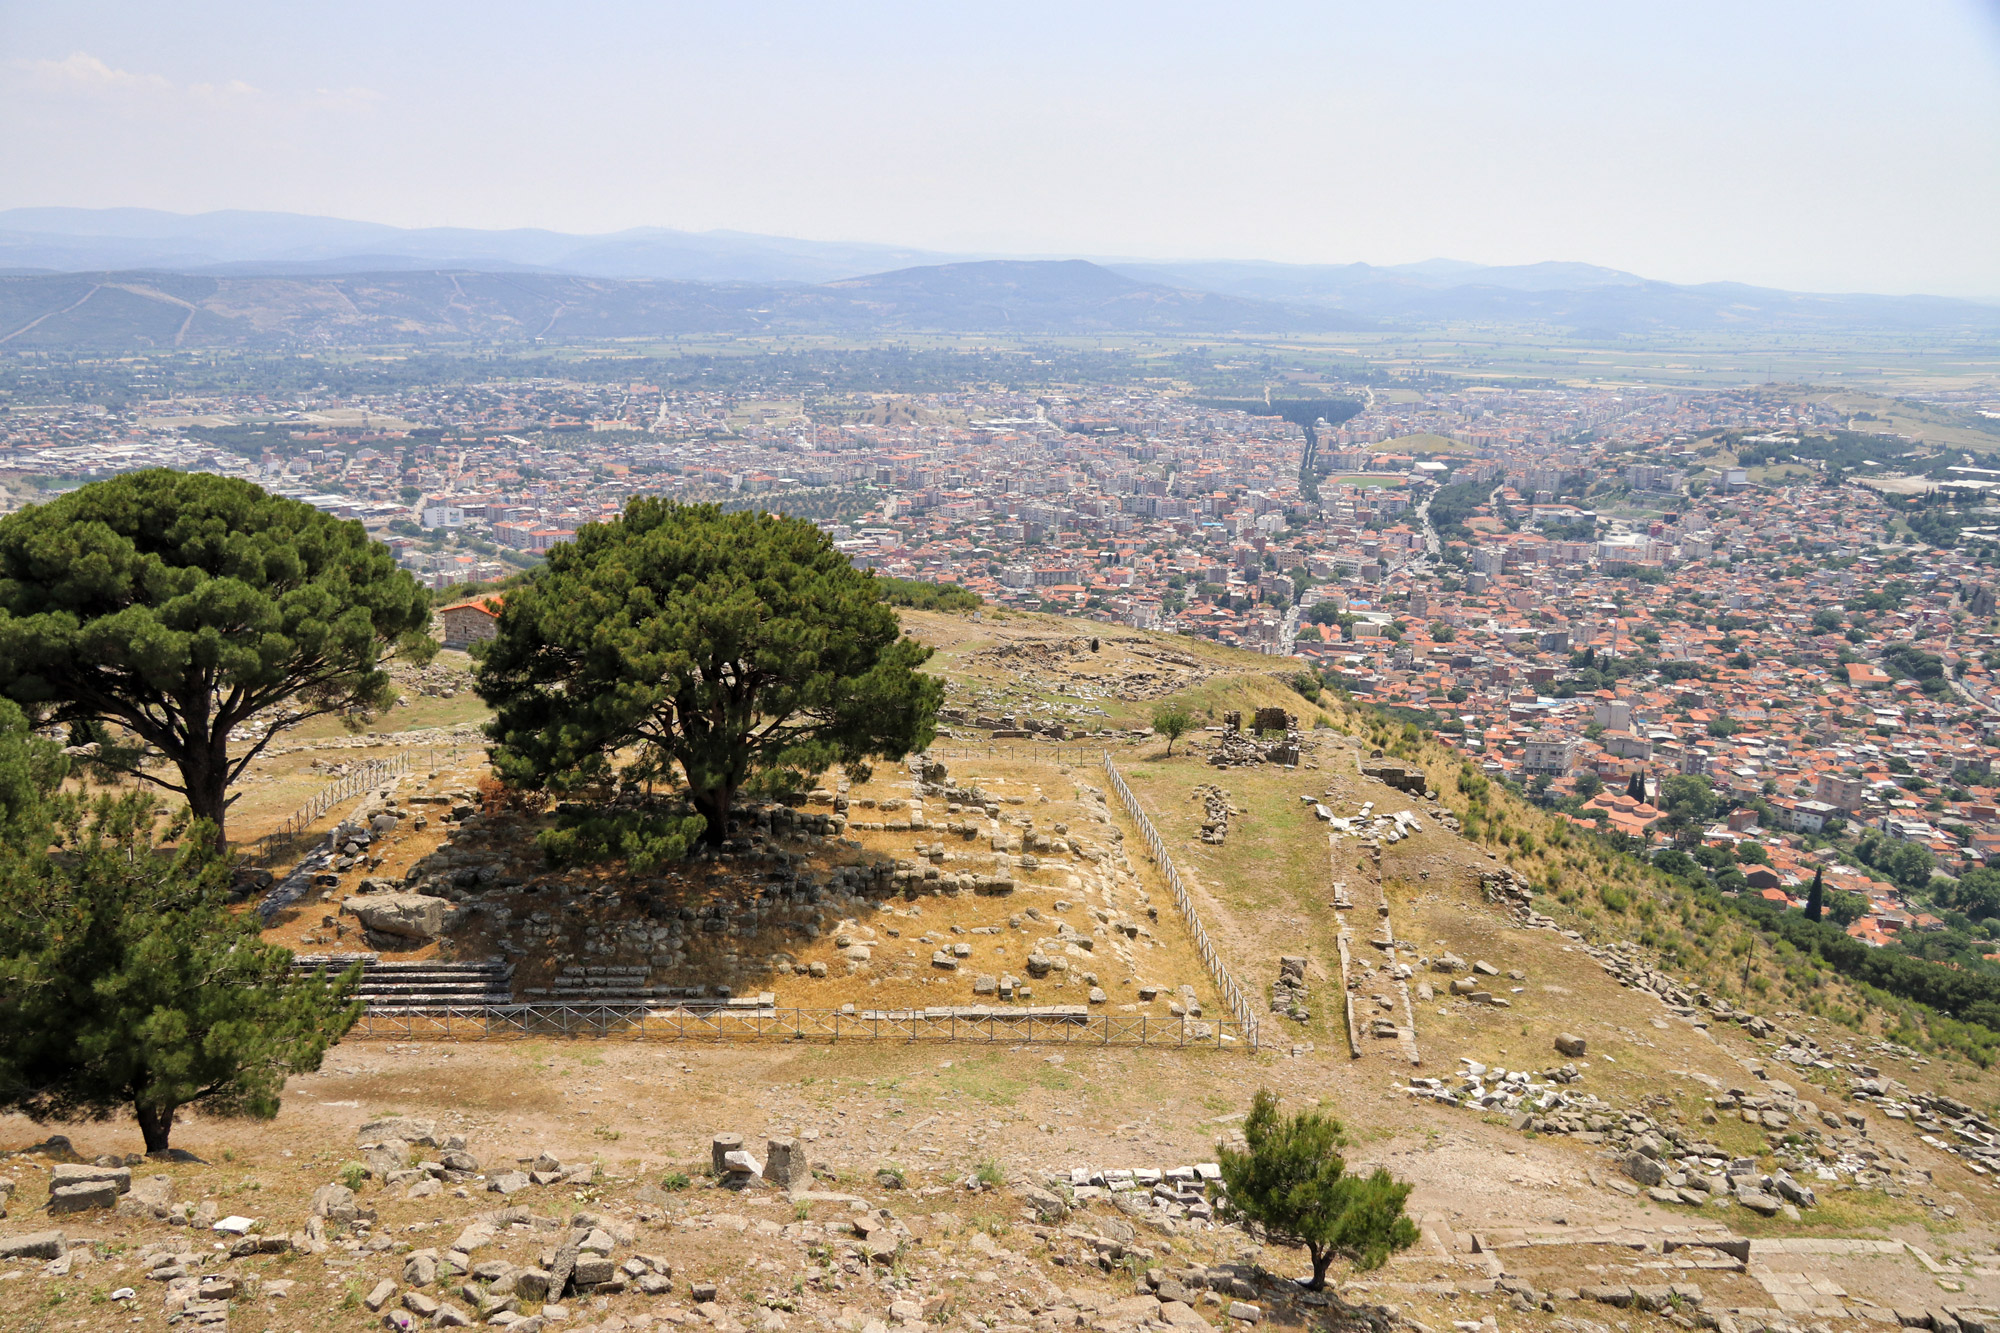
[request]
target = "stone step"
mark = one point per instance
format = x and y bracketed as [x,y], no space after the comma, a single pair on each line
[436,969]
[647,993]
[371,965]
[664,992]
[516,1009]
[563,986]
[433,997]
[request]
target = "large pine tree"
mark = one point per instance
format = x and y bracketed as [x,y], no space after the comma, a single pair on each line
[726,650]
[201,615]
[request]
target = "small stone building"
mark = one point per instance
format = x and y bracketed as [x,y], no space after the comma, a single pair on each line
[469,622]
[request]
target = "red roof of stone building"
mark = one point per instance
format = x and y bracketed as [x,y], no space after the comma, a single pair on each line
[490,604]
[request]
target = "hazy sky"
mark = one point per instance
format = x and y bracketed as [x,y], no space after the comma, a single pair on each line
[1821,145]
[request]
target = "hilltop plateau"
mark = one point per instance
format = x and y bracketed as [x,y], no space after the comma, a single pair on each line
[1620,1106]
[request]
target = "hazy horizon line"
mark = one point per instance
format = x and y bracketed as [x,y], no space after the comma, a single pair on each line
[940,256]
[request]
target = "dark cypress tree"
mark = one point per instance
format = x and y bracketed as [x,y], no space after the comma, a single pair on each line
[1815,896]
[1636,788]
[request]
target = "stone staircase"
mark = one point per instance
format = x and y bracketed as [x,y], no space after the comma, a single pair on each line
[418,987]
[627,987]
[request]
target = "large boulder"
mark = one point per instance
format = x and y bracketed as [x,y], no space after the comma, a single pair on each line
[404,916]
[385,1158]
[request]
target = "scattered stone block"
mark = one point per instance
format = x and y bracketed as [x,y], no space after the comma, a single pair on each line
[89,1195]
[409,1129]
[1758,1201]
[334,1202]
[120,1176]
[1642,1169]
[34,1245]
[785,1164]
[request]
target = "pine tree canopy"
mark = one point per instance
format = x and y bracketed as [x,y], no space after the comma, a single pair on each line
[1292,1186]
[126,979]
[179,607]
[728,650]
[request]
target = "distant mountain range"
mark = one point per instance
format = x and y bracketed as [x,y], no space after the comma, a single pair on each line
[76,240]
[128,278]
[107,311]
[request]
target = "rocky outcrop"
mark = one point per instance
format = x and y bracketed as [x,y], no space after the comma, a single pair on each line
[415,917]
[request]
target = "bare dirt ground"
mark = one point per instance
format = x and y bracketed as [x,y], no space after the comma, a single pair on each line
[1031,665]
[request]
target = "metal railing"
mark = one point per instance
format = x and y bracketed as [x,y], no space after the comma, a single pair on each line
[296,830]
[1232,994]
[638,1023]
[1058,753]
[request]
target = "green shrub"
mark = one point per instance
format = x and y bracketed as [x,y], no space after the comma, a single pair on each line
[921,596]
[643,839]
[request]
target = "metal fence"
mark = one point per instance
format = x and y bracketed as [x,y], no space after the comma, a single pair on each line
[296,831]
[1045,753]
[1232,995]
[524,1021]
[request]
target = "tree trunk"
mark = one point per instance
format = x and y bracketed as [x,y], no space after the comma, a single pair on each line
[713,805]
[1322,1260]
[156,1124]
[206,777]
